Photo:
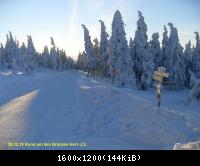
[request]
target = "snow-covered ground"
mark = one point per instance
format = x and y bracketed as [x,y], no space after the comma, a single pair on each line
[70,107]
[187,146]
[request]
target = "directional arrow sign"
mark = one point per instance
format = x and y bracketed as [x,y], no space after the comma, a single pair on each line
[156,77]
[162,74]
[165,74]
[157,72]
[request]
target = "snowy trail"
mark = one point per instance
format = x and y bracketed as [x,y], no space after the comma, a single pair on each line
[57,117]
[70,107]
[44,113]
[51,112]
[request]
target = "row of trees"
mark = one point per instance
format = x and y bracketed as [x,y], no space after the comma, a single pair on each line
[26,58]
[134,63]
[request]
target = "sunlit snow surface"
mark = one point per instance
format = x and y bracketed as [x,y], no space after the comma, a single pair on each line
[70,107]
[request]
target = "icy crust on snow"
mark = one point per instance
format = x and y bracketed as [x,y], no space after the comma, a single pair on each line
[129,118]
[188,146]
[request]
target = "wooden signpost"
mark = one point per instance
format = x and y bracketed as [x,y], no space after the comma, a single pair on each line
[158,76]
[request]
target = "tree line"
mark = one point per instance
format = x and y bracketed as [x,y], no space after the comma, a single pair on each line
[132,63]
[26,58]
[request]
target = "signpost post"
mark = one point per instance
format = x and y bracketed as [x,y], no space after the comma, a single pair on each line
[158,76]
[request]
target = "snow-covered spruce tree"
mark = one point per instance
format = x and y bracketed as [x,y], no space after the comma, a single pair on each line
[22,52]
[133,54]
[45,58]
[71,63]
[79,62]
[96,49]
[1,56]
[165,49]
[195,91]
[17,56]
[176,64]
[147,74]
[30,57]
[103,50]
[31,51]
[156,50]
[65,60]
[59,60]
[10,52]
[142,57]
[65,63]
[53,55]
[39,59]
[196,57]
[91,61]
[188,63]
[84,55]
[119,60]
[82,61]
[96,54]
[132,50]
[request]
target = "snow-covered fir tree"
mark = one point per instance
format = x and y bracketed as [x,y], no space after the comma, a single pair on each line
[1,56]
[96,49]
[125,76]
[196,57]
[39,59]
[148,68]
[103,50]
[59,60]
[66,67]
[165,49]
[45,58]
[132,50]
[176,64]
[22,56]
[53,55]
[96,54]
[10,52]
[31,51]
[67,61]
[188,63]
[195,85]
[133,54]
[70,63]
[82,61]
[120,61]
[142,57]
[16,59]
[56,59]
[30,57]
[79,62]
[156,50]
[91,61]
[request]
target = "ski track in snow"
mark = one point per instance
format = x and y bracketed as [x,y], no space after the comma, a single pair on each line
[70,107]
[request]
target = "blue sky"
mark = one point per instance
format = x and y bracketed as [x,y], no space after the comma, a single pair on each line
[62,19]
